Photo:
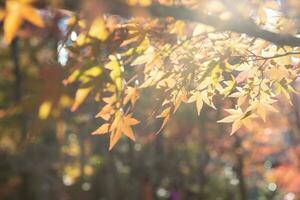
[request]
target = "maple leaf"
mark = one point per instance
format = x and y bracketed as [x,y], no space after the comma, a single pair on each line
[106,112]
[16,13]
[121,124]
[197,98]
[180,97]
[131,95]
[114,138]
[238,118]
[262,108]
[277,73]
[207,99]
[104,128]
[166,115]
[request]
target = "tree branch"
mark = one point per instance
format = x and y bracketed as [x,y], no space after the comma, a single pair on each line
[235,25]
[15,56]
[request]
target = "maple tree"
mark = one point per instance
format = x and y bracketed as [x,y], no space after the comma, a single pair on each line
[123,65]
[187,60]
[190,62]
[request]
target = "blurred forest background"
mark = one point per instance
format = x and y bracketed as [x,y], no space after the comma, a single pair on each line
[48,153]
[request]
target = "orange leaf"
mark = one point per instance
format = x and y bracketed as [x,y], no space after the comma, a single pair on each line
[127,130]
[116,122]
[114,138]
[2,14]
[102,129]
[105,112]
[130,121]
[110,100]
[16,12]
[31,15]
[126,124]
[131,95]
[12,21]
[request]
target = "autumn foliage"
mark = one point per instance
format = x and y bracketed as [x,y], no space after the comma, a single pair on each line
[111,67]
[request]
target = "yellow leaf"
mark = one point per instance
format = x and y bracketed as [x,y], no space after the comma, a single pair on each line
[119,84]
[131,95]
[207,99]
[93,71]
[115,74]
[199,104]
[80,96]
[44,110]
[166,119]
[277,73]
[82,39]
[235,126]
[227,90]
[179,28]
[98,29]
[231,118]
[261,111]
[262,108]
[196,97]
[180,97]
[164,113]
[73,76]
[285,60]
[237,118]
[65,101]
